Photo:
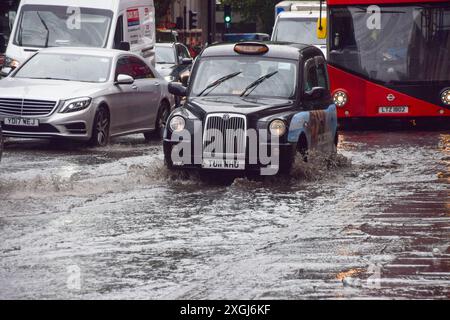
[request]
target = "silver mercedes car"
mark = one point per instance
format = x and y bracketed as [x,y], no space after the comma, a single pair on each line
[84,94]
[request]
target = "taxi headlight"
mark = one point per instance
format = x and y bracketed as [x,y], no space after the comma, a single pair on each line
[446,97]
[74,105]
[340,98]
[177,124]
[277,128]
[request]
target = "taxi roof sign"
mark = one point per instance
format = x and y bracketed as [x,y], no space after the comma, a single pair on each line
[252,48]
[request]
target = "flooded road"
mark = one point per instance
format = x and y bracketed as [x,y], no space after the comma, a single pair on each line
[113,223]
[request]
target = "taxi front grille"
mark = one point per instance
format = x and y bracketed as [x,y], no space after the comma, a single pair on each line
[225,134]
[26,107]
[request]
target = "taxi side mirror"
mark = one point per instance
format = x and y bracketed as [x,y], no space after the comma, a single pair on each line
[322,28]
[316,93]
[177,89]
[186,61]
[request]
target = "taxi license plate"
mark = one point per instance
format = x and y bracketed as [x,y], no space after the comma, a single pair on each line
[223,164]
[402,109]
[21,122]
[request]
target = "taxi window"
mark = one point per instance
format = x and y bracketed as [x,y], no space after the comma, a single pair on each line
[311,79]
[322,76]
[282,84]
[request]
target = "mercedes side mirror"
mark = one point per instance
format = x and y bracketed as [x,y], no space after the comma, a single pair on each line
[177,89]
[124,79]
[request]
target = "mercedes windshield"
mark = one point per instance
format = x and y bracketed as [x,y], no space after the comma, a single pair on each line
[69,67]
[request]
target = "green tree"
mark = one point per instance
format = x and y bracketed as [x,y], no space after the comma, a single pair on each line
[259,11]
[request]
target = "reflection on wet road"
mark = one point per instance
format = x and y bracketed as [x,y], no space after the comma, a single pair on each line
[377,225]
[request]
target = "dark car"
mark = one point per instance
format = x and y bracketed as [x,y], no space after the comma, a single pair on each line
[238,37]
[166,36]
[252,107]
[172,60]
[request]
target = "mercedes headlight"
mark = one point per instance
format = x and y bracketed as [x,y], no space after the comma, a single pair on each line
[177,124]
[277,128]
[446,97]
[340,98]
[74,105]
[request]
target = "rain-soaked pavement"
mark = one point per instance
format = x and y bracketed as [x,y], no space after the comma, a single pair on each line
[374,223]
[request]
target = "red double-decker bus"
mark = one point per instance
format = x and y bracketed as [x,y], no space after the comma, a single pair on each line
[390,59]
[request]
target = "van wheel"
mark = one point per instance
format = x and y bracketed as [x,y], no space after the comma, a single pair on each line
[161,122]
[100,132]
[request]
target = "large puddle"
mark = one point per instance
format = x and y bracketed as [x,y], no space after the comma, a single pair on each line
[373,222]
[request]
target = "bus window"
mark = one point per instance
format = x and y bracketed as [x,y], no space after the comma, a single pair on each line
[399,51]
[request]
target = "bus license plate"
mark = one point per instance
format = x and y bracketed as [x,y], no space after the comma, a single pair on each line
[403,109]
[223,164]
[21,122]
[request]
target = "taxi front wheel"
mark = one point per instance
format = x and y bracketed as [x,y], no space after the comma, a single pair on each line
[287,162]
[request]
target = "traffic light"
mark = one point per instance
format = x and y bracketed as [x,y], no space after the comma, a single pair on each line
[180,23]
[193,19]
[227,14]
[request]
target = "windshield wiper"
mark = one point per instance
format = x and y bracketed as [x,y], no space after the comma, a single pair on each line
[49,78]
[46,28]
[252,86]
[218,82]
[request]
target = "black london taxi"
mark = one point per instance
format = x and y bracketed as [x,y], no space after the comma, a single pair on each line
[252,106]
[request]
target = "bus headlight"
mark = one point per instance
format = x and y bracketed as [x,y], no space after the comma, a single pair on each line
[340,98]
[177,124]
[277,128]
[446,97]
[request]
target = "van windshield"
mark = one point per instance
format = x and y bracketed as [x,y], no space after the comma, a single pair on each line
[305,31]
[58,26]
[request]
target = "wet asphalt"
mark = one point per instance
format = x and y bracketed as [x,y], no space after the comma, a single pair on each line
[113,223]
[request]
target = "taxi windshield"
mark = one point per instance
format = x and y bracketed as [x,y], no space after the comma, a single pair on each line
[228,76]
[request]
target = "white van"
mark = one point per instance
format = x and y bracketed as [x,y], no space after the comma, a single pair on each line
[113,24]
[296,22]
